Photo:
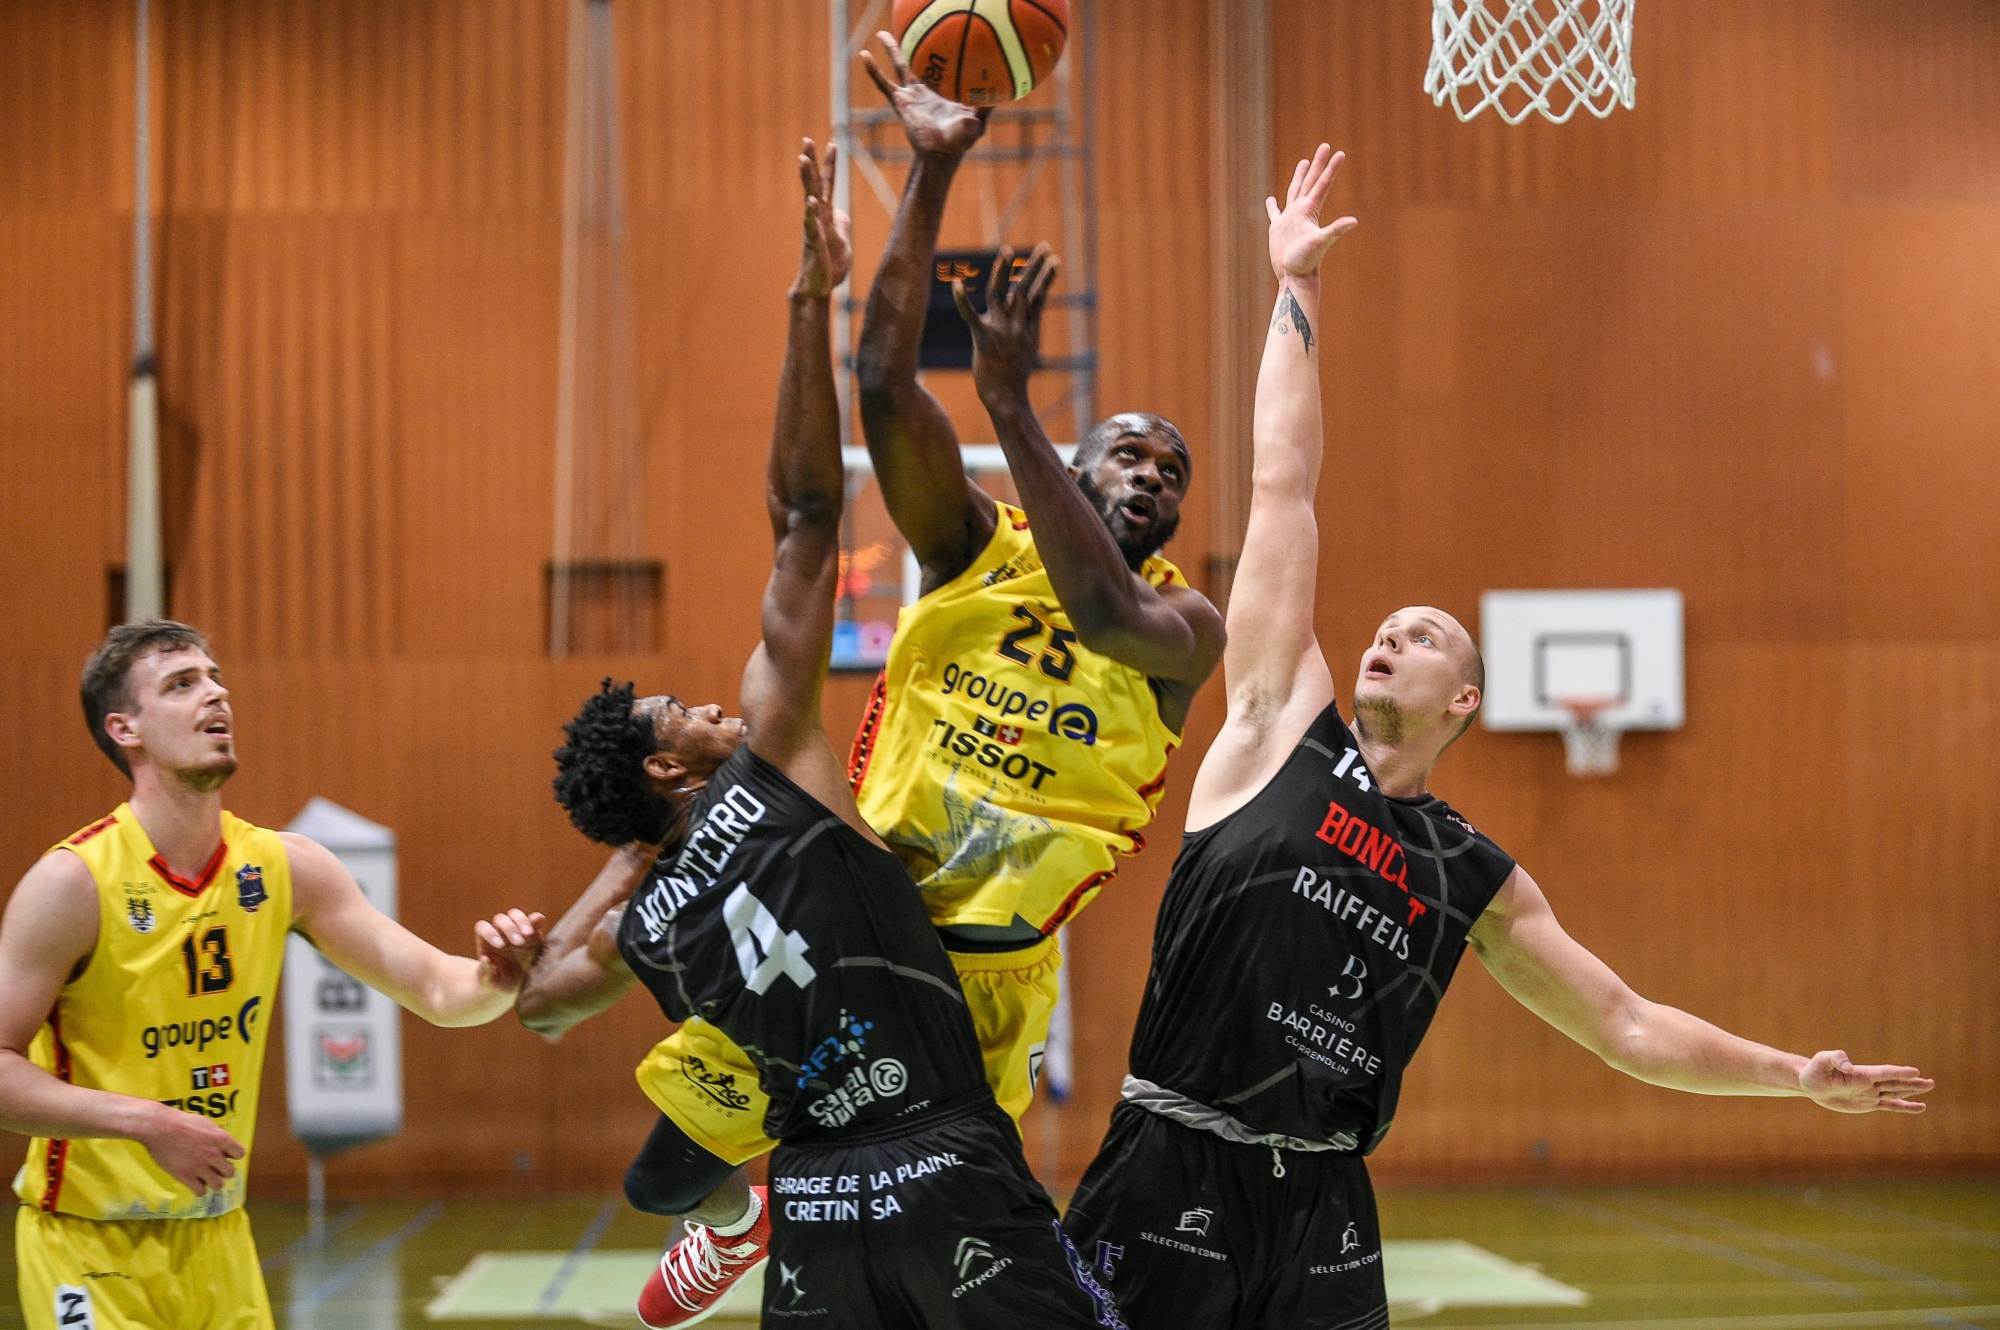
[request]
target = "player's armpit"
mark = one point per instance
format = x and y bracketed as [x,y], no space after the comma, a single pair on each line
[782,708]
[1171,634]
[1255,742]
[1524,947]
[47,934]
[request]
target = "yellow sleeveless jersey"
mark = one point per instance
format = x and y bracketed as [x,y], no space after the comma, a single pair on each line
[174,1004]
[1006,765]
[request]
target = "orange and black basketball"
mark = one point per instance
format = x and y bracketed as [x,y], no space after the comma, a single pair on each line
[982,52]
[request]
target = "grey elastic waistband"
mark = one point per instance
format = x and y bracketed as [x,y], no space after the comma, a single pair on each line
[1179,1108]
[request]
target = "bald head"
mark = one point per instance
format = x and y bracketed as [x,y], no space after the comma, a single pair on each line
[1421,679]
[1471,665]
[1092,447]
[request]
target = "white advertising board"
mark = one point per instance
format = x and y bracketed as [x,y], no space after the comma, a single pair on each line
[343,1040]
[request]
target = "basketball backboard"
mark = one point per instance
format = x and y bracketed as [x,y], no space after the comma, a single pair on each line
[1617,652]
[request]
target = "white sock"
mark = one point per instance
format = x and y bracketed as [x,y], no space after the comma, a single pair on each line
[746,1223]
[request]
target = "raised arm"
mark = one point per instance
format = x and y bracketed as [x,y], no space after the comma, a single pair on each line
[580,972]
[49,932]
[1549,973]
[1174,636]
[328,907]
[944,516]
[805,493]
[1274,675]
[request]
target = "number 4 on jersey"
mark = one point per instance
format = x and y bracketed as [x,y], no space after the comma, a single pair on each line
[753,928]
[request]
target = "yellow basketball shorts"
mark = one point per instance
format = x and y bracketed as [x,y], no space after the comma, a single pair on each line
[706,1084]
[139,1274]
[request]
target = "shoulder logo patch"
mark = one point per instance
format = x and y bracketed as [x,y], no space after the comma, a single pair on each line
[250,891]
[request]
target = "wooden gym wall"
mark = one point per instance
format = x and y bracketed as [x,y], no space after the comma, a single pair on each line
[1741,340]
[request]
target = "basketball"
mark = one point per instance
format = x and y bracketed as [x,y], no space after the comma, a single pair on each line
[982,52]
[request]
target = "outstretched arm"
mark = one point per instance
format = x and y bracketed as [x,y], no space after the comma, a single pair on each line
[1115,611]
[1550,974]
[946,518]
[806,489]
[580,972]
[1274,674]
[328,907]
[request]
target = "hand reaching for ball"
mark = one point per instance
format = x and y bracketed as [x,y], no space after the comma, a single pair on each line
[1298,241]
[1006,336]
[827,251]
[934,123]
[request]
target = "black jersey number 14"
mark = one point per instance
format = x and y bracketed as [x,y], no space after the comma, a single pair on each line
[1058,661]
[209,969]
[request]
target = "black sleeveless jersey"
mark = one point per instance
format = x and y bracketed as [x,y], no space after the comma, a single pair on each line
[1304,943]
[787,930]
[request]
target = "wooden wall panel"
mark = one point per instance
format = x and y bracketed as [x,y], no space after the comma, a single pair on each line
[65,351]
[1739,340]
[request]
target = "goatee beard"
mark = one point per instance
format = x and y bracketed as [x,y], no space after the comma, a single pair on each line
[1157,534]
[207,780]
[1384,719]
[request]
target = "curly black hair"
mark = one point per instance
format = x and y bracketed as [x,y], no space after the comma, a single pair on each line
[599,776]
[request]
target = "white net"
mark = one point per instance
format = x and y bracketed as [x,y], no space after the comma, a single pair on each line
[1590,746]
[1531,57]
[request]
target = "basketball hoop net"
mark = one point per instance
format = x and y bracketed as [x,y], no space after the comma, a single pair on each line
[1524,57]
[1590,743]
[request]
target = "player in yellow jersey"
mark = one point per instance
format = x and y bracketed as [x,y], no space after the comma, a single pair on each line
[139,962]
[1018,739]
[1017,743]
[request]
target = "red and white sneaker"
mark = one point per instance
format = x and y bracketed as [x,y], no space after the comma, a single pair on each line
[688,1283]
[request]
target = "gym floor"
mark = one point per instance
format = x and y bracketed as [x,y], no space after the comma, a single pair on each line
[1736,1257]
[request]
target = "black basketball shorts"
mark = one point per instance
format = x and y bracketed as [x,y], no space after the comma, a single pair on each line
[937,1225]
[1187,1229]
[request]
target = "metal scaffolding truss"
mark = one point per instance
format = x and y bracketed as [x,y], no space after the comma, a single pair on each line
[1022,144]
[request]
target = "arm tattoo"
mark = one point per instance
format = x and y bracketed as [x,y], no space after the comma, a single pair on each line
[1288,305]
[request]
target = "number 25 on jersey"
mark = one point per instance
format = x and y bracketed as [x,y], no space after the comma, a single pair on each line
[1058,661]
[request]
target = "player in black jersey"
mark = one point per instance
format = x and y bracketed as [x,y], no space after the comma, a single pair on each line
[1319,905]
[898,1195]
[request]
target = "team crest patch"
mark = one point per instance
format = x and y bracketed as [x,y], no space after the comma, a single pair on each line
[139,913]
[250,891]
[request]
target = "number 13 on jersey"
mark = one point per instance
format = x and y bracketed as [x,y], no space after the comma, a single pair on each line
[209,969]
